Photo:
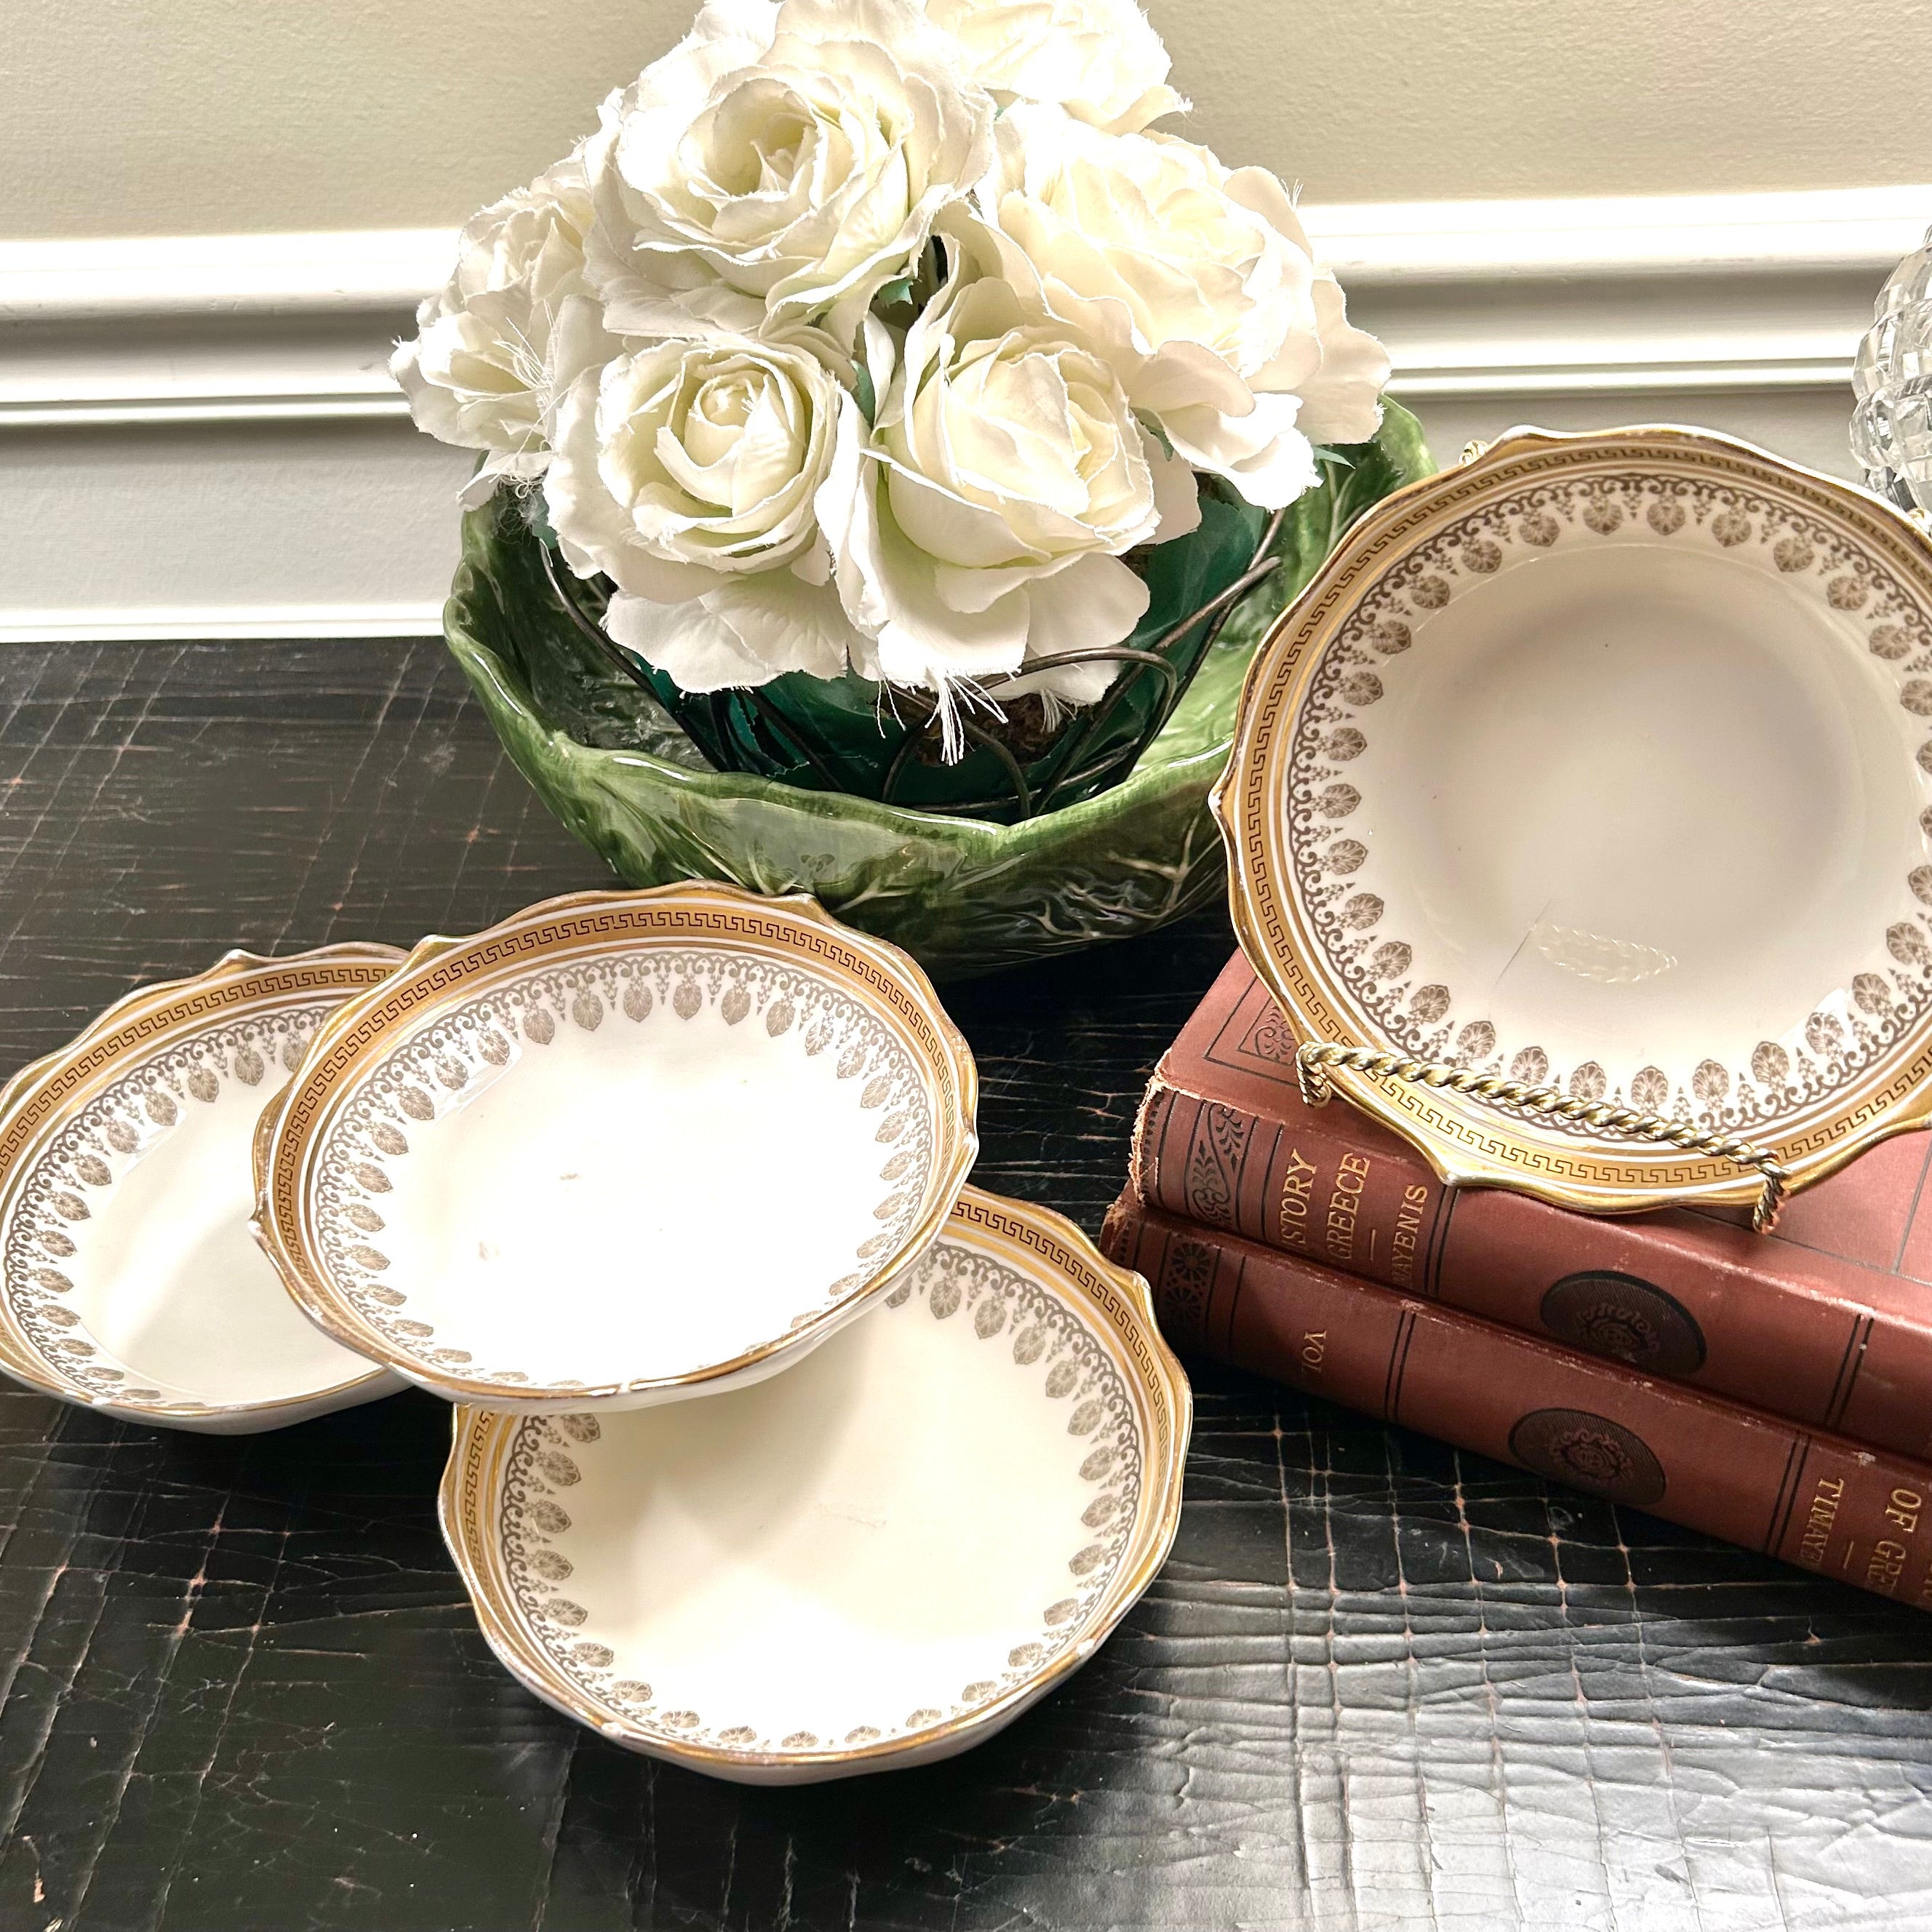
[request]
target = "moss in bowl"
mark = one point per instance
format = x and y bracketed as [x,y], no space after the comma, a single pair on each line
[962,895]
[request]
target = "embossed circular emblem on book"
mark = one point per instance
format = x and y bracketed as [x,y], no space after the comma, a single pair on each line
[1604,1313]
[1589,1452]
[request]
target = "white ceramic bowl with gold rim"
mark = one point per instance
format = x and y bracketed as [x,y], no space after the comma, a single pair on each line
[128,1281]
[1605,761]
[873,1561]
[624,1148]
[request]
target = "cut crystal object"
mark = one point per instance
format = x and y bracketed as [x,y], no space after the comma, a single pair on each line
[1891,377]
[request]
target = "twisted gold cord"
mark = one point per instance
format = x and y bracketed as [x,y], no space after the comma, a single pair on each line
[1316,1090]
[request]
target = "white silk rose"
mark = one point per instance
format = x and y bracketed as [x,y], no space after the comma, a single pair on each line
[785,161]
[982,524]
[878,336]
[515,324]
[687,472]
[1197,283]
[1101,60]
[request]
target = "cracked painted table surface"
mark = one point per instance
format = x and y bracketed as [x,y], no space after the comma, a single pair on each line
[1379,1685]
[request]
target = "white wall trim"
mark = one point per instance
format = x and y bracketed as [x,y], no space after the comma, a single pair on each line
[110,277]
[166,412]
[242,381]
[1373,244]
[1367,242]
[194,622]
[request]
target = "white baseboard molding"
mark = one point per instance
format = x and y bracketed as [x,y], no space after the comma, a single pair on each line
[205,432]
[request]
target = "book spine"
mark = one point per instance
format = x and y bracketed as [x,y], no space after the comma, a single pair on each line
[1814,1500]
[1308,1187]
[1774,1325]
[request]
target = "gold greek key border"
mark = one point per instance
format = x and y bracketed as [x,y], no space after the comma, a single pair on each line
[1469,1142]
[1054,1249]
[1057,1245]
[440,970]
[152,1015]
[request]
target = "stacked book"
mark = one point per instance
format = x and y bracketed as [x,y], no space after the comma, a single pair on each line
[1773,1390]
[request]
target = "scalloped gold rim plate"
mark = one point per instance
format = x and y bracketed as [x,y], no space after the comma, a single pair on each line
[99,1253]
[874,1561]
[1603,762]
[622,1148]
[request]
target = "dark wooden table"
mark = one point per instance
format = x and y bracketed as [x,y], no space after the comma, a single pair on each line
[1380,1685]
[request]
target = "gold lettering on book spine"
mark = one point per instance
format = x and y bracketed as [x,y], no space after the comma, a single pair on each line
[1296,1199]
[1819,1518]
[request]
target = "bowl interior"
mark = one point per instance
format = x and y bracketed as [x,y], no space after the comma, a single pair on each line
[897,1532]
[130,1266]
[1616,784]
[626,1168]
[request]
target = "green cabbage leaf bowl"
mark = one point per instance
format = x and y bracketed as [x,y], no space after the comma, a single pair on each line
[962,895]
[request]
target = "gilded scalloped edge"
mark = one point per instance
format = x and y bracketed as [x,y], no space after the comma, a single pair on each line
[278,1219]
[480,1440]
[1466,1143]
[21,1135]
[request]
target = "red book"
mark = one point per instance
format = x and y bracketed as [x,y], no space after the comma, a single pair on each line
[1827,1321]
[1817,1500]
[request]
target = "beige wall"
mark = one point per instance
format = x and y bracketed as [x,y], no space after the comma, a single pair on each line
[128,117]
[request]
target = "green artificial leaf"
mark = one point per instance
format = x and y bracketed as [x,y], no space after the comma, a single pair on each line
[865,392]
